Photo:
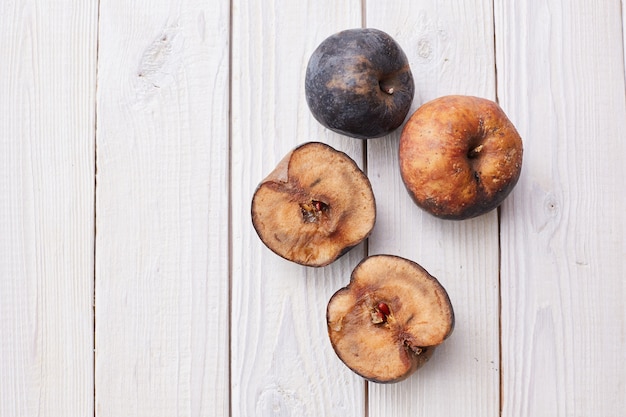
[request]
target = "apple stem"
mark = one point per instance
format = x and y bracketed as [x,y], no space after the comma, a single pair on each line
[385,86]
[415,349]
[474,152]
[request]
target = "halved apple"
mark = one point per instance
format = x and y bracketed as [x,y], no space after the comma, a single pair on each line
[387,322]
[315,206]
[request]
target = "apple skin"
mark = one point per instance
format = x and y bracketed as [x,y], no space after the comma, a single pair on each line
[460,156]
[358,83]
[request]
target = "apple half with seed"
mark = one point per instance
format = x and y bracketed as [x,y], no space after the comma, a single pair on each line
[389,319]
[315,206]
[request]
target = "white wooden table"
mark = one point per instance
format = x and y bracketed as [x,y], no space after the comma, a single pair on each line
[133,134]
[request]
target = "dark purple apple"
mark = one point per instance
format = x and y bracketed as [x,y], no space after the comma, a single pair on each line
[359,83]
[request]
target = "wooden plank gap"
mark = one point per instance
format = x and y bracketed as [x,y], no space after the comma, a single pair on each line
[95,202]
[500,360]
[229,308]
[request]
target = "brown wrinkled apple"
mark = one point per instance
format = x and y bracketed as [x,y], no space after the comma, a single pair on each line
[389,319]
[315,206]
[460,156]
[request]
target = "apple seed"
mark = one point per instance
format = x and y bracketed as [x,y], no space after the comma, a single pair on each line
[380,313]
[384,308]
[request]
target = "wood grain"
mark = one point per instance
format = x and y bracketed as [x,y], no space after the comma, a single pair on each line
[450,50]
[282,362]
[132,137]
[47,108]
[561,78]
[162,266]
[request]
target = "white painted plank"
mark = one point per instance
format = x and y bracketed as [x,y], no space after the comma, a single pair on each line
[47,108]
[561,77]
[282,361]
[450,48]
[162,242]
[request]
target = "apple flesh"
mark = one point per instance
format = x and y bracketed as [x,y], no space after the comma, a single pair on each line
[358,83]
[389,319]
[460,156]
[314,206]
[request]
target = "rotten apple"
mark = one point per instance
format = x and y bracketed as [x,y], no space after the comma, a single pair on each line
[460,156]
[358,83]
[389,319]
[314,206]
